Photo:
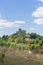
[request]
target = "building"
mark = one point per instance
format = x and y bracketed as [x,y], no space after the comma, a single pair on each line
[27,37]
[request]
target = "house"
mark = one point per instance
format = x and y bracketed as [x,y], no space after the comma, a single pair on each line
[27,37]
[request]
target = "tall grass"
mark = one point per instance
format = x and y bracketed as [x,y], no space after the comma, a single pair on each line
[21,57]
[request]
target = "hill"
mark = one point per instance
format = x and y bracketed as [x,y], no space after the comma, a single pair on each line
[22,40]
[21,48]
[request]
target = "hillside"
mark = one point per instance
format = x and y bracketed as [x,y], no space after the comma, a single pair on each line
[21,48]
[22,40]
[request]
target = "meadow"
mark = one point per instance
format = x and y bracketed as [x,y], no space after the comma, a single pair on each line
[20,57]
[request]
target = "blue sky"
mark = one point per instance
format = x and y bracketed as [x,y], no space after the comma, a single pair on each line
[25,14]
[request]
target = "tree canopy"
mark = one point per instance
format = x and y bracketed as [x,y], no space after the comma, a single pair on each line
[22,40]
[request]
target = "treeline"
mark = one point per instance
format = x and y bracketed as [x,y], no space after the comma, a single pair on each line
[22,40]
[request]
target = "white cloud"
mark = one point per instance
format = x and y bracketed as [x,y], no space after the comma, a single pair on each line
[41,1]
[32,29]
[39,21]
[38,12]
[20,22]
[5,23]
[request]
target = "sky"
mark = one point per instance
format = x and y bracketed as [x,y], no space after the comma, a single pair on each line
[24,14]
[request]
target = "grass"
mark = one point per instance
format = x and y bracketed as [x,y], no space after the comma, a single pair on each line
[20,57]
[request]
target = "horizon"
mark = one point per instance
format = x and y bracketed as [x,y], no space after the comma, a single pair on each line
[18,30]
[24,14]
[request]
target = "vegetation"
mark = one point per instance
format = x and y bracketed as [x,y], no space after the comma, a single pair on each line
[22,40]
[21,57]
[14,48]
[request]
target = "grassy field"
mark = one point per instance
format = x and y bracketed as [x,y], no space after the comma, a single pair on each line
[20,57]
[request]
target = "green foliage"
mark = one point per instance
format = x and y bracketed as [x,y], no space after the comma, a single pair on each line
[34,35]
[5,37]
[18,41]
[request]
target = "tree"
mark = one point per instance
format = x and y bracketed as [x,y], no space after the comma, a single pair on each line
[34,35]
[21,32]
[11,39]
[5,37]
